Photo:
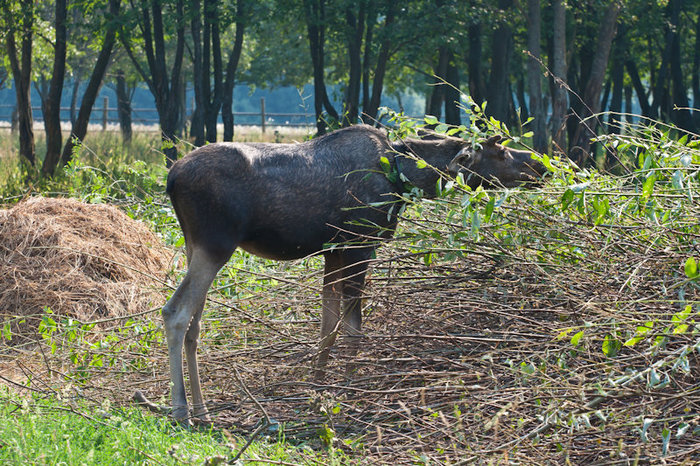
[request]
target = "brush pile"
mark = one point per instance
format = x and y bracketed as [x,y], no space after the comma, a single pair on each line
[550,333]
[83,261]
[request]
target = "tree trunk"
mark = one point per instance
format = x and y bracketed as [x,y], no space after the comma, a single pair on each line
[681,114]
[367,54]
[21,67]
[206,50]
[437,94]
[382,60]
[557,122]
[315,23]
[74,99]
[52,104]
[234,57]
[79,129]
[356,26]
[124,95]
[522,101]
[213,98]
[629,117]
[642,95]
[181,127]
[659,83]
[477,87]
[165,88]
[534,75]
[197,127]
[452,111]
[591,95]
[619,54]
[169,95]
[498,97]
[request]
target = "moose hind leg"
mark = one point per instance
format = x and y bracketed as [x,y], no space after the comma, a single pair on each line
[178,313]
[199,409]
[354,276]
[330,313]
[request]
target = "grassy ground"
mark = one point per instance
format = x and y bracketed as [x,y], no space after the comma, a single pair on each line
[551,326]
[49,429]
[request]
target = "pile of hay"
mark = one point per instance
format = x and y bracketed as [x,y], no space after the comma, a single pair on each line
[85,261]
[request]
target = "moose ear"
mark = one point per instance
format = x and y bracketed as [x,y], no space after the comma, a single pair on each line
[493,140]
[462,160]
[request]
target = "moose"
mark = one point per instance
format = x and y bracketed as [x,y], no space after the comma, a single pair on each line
[327,196]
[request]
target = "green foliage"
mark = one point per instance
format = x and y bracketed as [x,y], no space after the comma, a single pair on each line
[594,237]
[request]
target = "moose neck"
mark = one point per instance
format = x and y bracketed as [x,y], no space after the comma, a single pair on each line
[437,153]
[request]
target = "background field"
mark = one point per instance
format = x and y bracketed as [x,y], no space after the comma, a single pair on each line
[554,325]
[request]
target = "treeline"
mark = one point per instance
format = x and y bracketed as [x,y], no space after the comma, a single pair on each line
[551,64]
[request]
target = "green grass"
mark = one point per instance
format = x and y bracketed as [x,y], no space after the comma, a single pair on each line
[48,430]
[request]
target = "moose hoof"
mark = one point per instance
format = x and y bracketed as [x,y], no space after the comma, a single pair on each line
[181,416]
[202,419]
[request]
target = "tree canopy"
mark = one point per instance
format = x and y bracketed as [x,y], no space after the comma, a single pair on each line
[543,66]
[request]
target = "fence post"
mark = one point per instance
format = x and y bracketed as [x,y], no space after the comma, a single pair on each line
[262,113]
[105,105]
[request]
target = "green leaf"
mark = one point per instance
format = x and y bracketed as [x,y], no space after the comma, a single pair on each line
[576,339]
[642,330]
[691,268]
[682,315]
[666,440]
[611,346]
[431,120]
[527,368]
[648,186]
[441,128]
[547,162]
[476,222]
[7,331]
[566,199]
[420,163]
[489,208]
[384,162]
[529,134]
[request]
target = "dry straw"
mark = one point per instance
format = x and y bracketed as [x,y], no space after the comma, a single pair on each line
[84,261]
